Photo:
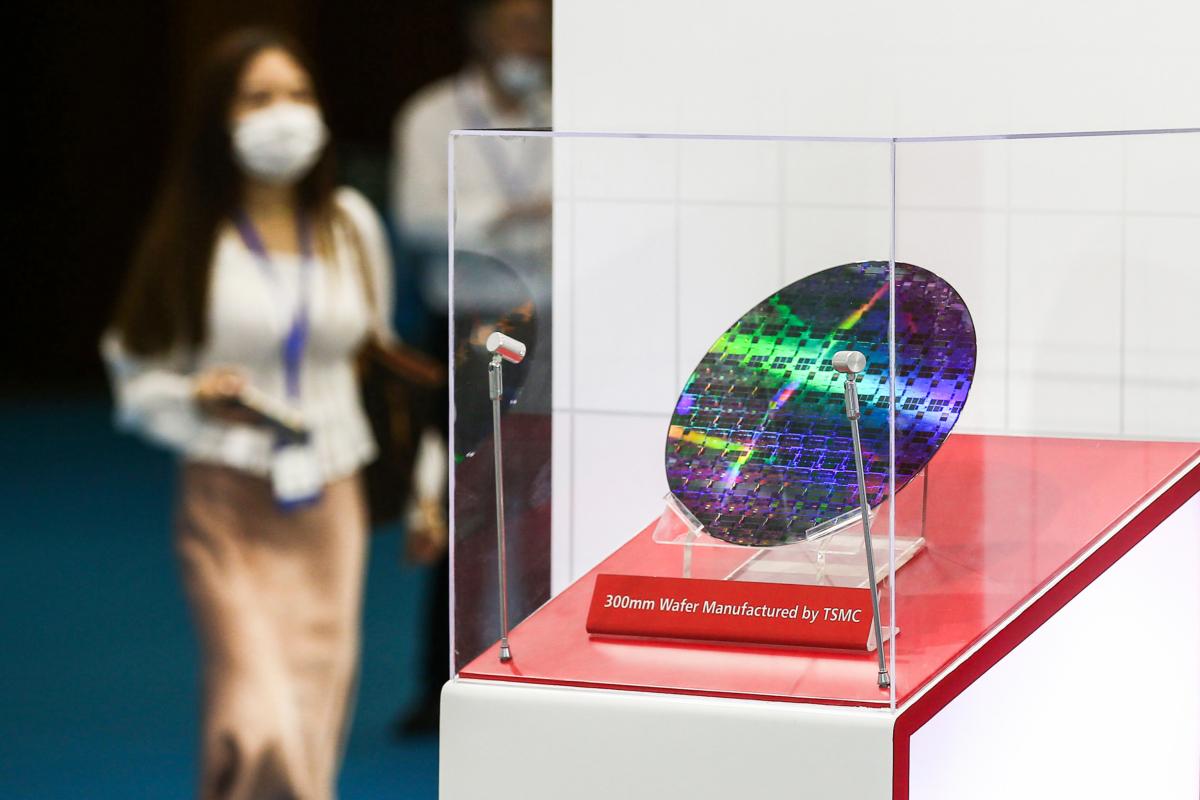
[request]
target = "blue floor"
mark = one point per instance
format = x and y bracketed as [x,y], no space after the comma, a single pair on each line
[98,667]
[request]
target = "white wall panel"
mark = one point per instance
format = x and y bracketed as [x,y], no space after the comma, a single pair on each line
[1162,175]
[1073,174]
[874,67]
[625,170]
[623,308]
[619,482]
[730,172]
[838,174]
[1162,343]
[1066,306]
[953,175]
[818,238]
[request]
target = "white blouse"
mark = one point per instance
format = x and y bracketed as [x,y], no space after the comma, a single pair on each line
[250,310]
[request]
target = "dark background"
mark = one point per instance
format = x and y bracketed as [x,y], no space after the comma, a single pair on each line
[99,90]
[99,683]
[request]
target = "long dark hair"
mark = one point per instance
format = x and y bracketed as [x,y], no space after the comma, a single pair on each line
[165,299]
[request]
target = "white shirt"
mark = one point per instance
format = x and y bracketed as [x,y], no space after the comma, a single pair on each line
[490,176]
[250,310]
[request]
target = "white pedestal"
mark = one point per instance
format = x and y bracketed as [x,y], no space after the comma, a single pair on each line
[1089,690]
[552,743]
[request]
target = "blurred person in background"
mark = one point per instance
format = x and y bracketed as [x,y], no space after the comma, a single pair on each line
[502,203]
[505,84]
[256,283]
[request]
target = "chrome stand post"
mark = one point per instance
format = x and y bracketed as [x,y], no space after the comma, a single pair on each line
[495,391]
[850,365]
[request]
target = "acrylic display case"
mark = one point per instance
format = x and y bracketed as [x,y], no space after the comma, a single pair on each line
[619,259]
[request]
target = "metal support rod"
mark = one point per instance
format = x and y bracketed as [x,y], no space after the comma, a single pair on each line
[852,414]
[495,391]
[924,500]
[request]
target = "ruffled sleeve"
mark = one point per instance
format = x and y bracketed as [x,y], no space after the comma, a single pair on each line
[153,396]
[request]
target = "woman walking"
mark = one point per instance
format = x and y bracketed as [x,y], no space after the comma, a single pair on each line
[256,283]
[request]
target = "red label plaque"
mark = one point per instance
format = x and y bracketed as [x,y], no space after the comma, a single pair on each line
[740,612]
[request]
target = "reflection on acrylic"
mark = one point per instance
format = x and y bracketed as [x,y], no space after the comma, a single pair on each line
[759,448]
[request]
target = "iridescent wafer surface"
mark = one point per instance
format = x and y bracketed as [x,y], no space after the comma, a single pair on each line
[759,447]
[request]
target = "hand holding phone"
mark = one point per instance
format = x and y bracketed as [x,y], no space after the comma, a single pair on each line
[216,391]
[223,393]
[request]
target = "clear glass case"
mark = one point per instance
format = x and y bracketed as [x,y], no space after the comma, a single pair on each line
[620,259]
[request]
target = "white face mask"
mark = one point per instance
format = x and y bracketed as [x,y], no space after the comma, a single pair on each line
[280,143]
[521,76]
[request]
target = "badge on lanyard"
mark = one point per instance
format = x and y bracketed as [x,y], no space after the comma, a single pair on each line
[295,475]
[295,471]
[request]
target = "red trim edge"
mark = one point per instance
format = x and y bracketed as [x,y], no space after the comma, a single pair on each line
[1022,627]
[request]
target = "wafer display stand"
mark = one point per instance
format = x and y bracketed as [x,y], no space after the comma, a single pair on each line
[670,627]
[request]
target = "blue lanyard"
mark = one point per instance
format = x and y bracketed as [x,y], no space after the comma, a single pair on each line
[296,340]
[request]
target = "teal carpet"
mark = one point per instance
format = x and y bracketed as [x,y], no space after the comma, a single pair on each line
[98,666]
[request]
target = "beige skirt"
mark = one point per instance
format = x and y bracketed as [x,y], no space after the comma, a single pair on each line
[276,598]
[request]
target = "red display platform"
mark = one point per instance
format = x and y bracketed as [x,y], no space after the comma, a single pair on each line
[1015,527]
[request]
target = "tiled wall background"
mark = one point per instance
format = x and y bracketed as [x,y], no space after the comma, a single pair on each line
[660,245]
[1079,258]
